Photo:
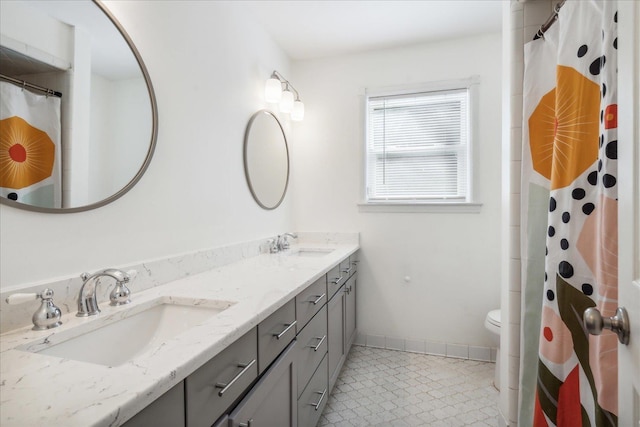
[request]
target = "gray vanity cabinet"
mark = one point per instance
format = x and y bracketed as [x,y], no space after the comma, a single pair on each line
[217,384]
[341,323]
[165,411]
[335,334]
[273,400]
[350,312]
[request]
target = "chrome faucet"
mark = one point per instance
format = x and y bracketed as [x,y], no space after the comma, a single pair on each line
[87,298]
[282,243]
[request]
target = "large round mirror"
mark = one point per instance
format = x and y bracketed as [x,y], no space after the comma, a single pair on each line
[78,116]
[266,159]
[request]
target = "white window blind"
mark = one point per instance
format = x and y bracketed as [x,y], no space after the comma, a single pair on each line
[418,147]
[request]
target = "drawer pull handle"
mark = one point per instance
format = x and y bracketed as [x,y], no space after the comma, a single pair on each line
[247,424]
[337,280]
[317,405]
[289,326]
[245,367]
[347,270]
[316,301]
[316,347]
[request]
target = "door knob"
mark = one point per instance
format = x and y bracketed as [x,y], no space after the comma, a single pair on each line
[619,323]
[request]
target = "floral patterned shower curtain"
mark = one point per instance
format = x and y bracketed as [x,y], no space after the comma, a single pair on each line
[569,252]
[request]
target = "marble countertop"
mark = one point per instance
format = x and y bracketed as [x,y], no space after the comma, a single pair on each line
[37,389]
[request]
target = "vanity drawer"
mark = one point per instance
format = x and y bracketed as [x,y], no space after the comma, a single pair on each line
[309,302]
[314,397]
[335,279]
[312,346]
[275,333]
[214,387]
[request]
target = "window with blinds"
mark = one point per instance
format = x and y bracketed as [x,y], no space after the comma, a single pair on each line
[417,148]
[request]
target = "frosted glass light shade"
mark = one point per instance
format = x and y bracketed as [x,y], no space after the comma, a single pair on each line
[273,91]
[286,102]
[297,113]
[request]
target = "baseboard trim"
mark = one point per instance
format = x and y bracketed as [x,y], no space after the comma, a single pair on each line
[457,351]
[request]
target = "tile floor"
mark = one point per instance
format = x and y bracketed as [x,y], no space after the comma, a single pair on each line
[379,387]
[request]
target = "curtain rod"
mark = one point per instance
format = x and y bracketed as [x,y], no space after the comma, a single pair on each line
[24,84]
[549,22]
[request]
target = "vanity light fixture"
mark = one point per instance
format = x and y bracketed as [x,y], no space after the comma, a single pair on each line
[274,93]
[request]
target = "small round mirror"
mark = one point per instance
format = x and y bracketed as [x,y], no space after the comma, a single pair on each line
[266,159]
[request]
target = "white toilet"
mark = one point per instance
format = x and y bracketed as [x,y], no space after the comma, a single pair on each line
[492,323]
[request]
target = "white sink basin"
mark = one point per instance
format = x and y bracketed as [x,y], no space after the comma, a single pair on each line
[131,333]
[311,252]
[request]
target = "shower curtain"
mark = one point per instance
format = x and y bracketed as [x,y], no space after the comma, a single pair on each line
[30,166]
[569,219]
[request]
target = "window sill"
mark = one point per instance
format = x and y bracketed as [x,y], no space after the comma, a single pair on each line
[407,207]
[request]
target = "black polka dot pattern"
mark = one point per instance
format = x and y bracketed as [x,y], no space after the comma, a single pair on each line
[578,194]
[581,203]
[565,269]
[551,295]
[612,150]
[582,50]
[597,65]
[12,196]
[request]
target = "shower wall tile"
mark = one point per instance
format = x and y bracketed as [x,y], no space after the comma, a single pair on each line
[514,338]
[517,84]
[517,19]
[515,312]
[516,176]
[516,46]
[515,277]
[537,13]
[514,209]
[514,234]
[516,143]
[516,111]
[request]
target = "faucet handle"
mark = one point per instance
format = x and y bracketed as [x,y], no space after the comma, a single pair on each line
[120,295]
[47,316]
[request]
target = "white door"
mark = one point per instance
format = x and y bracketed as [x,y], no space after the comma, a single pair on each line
[629,208]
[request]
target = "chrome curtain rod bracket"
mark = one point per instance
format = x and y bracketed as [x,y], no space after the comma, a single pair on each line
[550,21]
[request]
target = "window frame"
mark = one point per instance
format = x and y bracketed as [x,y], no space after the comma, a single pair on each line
[423,204]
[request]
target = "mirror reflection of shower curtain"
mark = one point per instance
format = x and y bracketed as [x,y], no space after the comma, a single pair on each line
[569,219]
[30,163]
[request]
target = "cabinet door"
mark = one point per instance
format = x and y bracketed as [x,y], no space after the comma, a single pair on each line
[165,411]
[273,400]
[335,335]
[350,312]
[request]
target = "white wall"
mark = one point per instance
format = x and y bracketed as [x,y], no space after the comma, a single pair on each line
[208,65]
[453,259]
